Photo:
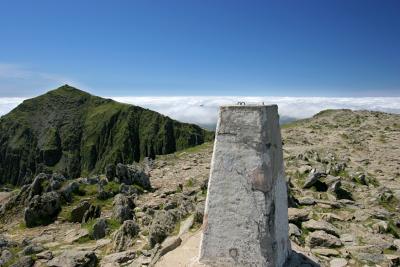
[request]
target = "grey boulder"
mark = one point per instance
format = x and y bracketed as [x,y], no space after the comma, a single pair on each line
[313,178]
[125,235]
[163,224]
[322,239]
[42,209]
[74,258]
[25,261]
[314,225]
[84,211]
[110,172]
[131,174]
[297,216]
[78,212]
[100,228]
[122,208]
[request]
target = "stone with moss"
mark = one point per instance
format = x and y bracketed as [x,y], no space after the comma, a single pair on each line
[124,237]
[100,228]
[123,208]
[42,209]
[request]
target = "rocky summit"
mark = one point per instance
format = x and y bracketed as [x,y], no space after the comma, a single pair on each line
[343,174]
[74,133]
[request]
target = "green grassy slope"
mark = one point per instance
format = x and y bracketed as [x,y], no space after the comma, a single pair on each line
[70,131]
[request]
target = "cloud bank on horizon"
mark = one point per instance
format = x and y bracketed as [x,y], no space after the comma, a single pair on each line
[203,110]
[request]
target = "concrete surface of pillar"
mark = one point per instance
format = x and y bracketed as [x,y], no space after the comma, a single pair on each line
[246,219]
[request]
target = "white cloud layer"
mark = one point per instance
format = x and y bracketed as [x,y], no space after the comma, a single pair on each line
[8,103]
[204,109]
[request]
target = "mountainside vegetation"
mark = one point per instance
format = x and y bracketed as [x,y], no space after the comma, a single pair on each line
[74,133]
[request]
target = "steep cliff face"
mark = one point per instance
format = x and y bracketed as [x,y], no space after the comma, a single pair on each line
[72,132]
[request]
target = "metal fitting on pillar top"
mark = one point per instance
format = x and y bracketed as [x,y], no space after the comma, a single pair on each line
[242,103]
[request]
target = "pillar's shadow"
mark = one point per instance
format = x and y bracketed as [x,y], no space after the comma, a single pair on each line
[298,259]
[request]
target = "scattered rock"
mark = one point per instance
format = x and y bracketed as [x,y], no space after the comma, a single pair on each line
[124,236]
[385,194]
[74,235]
[380,214]
[313,178]
[25,261]
[394,259]
[348,239]
[329,180]
[118,258]
[45,255]
[204,185]
[338,262]
[110,172]
[304,169]
[74,258]
[327,252]
[32,249]
[297,216]
[132,174]
[199,213]
[42,209]
[92,213]
[56,181]
[122,208]
[171,205]
[39,185]
[336,168]
[185,225]
[380,227]
[128,190]
[396,243]
[68,190]
[329,204]
[102,194]
[322,239]
[100,228]
[369,257]
[330,217]
[5,257]
[163,224]
[3,242]
[339,192]
[90,181]
[306,201]
[361,215]
[294,230]
[78,212]
[314,225]
[168,245]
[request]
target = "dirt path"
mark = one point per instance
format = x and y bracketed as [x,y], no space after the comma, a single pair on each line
[4,196]
[185,255]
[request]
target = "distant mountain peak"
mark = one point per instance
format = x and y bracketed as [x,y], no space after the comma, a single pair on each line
[68,90]
[72,132]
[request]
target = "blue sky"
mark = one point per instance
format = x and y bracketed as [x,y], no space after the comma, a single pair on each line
[189,47]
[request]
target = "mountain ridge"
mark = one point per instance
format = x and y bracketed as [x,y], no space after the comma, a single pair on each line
[75,133]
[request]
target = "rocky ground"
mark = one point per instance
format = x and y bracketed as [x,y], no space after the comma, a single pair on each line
[344,179]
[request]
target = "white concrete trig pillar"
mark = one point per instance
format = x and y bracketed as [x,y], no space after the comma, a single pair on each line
[246,219]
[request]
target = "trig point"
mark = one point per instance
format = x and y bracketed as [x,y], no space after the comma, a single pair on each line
[246,219]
